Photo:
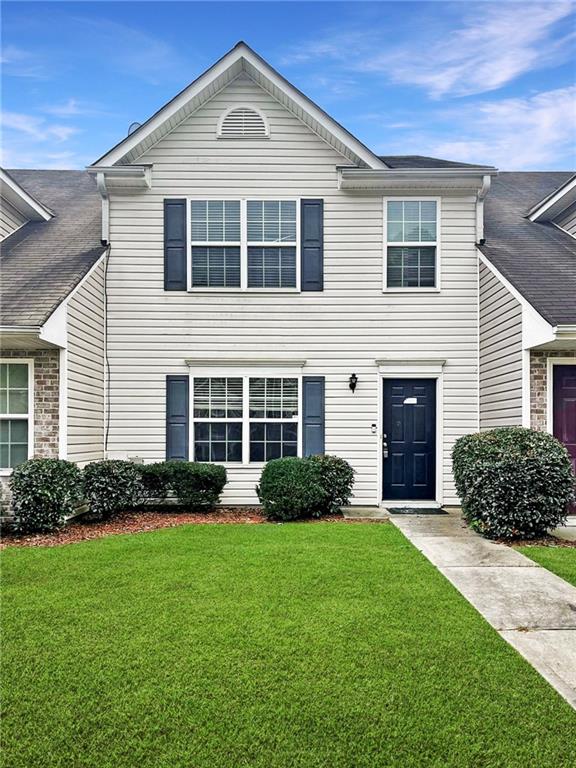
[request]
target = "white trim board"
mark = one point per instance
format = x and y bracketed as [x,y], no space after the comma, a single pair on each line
[412,369]
[17,196]
[29,361]
[551,362]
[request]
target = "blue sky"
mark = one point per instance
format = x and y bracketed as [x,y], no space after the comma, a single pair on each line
[473,81]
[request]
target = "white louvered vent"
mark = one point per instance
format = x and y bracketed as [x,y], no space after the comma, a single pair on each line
[243,123]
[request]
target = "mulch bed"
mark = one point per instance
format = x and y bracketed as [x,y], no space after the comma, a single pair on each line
[545,541]
[148,520]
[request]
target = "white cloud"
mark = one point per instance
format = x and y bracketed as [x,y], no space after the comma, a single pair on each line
[37,128]
[19,62]
[69,108]
[513,134]
[494,45]
[489,46]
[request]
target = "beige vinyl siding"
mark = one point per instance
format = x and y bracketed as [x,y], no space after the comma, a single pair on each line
[86,369]
[568,220]
[500,354]
[341,330]
[10,219]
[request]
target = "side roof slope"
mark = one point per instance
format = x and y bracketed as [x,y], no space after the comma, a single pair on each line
[43,261]
[538,258]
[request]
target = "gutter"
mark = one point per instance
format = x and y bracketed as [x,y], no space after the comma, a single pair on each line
[480,197]
[101,184]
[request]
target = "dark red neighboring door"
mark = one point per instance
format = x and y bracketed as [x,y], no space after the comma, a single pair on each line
[564,409]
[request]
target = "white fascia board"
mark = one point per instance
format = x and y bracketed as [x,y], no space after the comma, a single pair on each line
[362,178]
[55,328]
[553,205]
[535,329]
[20,199]
[239,53]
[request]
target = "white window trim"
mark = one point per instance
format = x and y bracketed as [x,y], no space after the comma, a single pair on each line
[551,363]
[232,373]
[243,288]
[409,244]
[237,136]
[6,471]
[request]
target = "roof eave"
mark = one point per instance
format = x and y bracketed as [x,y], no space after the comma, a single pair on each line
[17,196]
[556,202]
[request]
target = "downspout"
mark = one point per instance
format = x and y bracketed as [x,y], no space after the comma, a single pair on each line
[101,184]
[482,192]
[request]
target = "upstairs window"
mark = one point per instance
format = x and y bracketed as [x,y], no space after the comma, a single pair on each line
[243,122]
[411,244]
[244,244]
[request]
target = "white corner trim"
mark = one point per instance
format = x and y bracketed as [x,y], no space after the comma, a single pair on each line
[535,329]
[526,400]
[241,55]
[63,404]
[551,362]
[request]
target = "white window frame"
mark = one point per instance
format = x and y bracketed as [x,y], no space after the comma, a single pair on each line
[5,471]
[243,244]
[245,419]
[413,244]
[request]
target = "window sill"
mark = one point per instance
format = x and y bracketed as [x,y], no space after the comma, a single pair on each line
[411,290]
[244,291]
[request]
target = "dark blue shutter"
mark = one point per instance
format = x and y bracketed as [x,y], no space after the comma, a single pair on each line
[177,417]
[175,273]
[313,414]
[312,245]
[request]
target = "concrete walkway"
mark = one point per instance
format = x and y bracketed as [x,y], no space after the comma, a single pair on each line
[531,608]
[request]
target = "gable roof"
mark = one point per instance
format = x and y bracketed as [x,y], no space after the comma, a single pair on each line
[538,258]
[43,261]
[554,204]
[239,59]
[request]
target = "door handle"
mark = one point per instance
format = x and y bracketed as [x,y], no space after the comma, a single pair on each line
[384,448]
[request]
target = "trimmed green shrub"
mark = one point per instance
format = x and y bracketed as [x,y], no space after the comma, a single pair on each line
[292,488]
[111,486]
[44,493]
[513,482]
[155,480]
[194,483]
[337,480]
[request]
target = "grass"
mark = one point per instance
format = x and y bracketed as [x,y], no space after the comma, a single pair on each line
[559,560]
[293,646]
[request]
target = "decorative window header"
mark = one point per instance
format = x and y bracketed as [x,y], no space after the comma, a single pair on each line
[243,122]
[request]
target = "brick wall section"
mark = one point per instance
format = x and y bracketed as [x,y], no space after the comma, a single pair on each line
[539,384]
[46,399]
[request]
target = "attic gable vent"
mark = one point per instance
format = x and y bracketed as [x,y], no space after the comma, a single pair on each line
[243,123]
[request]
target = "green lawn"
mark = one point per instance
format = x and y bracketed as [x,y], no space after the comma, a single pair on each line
[227,646]
[559,560]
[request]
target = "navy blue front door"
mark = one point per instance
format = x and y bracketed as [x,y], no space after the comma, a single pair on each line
[409,442]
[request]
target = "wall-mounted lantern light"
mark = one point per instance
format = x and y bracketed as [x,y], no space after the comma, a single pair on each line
[352,381]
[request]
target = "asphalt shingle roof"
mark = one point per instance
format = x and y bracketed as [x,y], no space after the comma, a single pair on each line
[420,161]
[537,258]
[43,261]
